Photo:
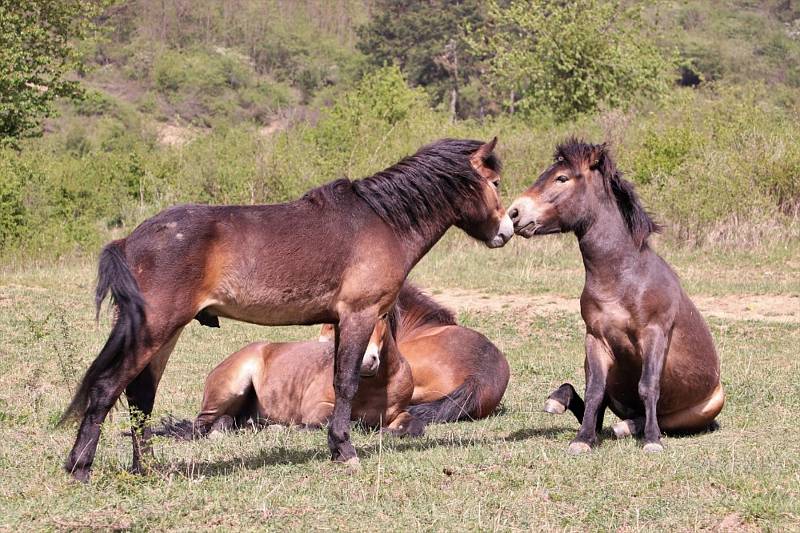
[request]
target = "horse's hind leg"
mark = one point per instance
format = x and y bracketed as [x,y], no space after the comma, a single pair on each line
[628,427]
[696,418]
[141,393]
[103,394]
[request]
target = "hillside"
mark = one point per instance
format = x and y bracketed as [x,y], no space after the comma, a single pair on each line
[256,101]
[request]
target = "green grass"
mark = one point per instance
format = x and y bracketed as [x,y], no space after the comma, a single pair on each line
[507,472]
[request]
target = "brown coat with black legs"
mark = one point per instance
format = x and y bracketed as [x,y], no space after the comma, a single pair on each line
[314,260]
[649,354]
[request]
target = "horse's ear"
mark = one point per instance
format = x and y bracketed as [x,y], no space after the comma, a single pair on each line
[486,149]
[597,154]
[481,155]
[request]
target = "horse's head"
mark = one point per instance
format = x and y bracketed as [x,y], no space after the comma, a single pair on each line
[562,197]
[371,362]
[570,194]
[485,219]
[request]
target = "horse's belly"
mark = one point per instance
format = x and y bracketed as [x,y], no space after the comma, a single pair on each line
[275,308]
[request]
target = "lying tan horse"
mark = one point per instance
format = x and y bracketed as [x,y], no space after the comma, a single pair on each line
[458,373]
[291,383]
[310,261]
[649,354]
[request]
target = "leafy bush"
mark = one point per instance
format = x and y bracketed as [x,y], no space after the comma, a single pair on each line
[570,58]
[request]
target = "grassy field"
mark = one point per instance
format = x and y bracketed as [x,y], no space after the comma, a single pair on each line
[506,472]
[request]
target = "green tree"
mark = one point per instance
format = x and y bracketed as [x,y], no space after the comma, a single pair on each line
[37,52]
[567,58]
[426,40]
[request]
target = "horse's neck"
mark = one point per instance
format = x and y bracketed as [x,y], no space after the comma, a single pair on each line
[419,243]
[607,248]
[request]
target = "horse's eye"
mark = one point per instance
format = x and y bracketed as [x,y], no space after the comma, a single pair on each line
[496,184]
[562,178]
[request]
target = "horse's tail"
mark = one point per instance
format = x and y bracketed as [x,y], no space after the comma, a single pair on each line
[461,404]
[175,428]
[114,274]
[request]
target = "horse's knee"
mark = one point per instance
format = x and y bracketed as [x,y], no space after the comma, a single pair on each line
[648,391]
[347,387]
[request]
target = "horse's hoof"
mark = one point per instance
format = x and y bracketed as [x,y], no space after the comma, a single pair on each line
[81,475]
[352,465]
[621,429]
[653,447]
[216,435]
[578,448]
[554,407]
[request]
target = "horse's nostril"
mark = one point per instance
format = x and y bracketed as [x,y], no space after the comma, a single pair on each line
[514,214]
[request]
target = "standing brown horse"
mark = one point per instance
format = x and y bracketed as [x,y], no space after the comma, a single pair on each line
[292,383]
[649,353]
[314,260]
[458,373]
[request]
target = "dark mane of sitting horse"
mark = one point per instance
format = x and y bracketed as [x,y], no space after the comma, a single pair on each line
[415,308]
[576,152]
[410,194]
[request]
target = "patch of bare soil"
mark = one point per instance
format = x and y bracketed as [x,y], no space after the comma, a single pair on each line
[767,307]
[275,126]
[177,135]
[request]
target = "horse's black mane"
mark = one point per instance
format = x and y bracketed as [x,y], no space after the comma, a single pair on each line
[327,191]
[421,188]
[415,309]
[576,152]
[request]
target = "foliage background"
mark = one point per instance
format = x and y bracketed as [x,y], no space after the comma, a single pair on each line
[257,101]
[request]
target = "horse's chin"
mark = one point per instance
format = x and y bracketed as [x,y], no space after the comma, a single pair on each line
[527,231]
[532,228]
[368,373]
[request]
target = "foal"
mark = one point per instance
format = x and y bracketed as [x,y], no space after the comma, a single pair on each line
[458,373]
[649,354]
[310,261]
[291,383]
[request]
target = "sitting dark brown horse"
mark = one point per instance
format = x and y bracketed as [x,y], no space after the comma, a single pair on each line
[458,373]
[291,383]
[311,261]
[649,354]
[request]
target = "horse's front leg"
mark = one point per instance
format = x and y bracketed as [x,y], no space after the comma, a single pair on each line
[598,361]
[653,345]
[406,425]
[352,336]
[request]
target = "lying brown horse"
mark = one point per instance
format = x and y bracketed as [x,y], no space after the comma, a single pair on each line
[458,373]
[291,383]
[649,354]
[310,261]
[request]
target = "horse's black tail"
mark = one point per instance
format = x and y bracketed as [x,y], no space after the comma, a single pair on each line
[460,404]
[114,274]
[175,428]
